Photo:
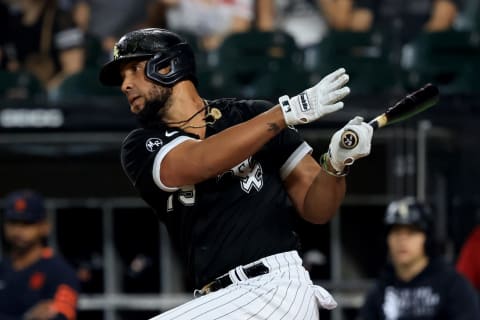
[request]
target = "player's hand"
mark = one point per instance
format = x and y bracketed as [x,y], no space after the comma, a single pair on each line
[340,157]
[317,101]
[41,311]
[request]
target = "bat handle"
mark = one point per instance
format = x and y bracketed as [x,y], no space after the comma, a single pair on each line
[349,138]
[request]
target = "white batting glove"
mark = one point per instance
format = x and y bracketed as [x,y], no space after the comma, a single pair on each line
[317,101]
[340,157]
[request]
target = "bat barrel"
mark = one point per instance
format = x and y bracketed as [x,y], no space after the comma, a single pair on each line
[410,105]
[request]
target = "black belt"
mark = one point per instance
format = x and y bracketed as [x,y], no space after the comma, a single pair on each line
[224,281]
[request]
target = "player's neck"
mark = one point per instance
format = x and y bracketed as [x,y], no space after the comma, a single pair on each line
[407,272]
[24,259]
[187,111]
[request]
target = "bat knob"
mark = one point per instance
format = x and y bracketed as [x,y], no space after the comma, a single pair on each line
[349,139]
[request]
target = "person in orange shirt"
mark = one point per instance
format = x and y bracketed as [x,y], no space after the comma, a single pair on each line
[35,282]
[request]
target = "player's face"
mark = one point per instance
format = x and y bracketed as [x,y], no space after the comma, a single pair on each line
[139,89]
[406,245]
[23,236]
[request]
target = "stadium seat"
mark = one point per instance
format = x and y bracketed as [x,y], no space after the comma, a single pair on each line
[95,56]
[448,59]
[84,85]
[20,85]
[258,64]
[365,55]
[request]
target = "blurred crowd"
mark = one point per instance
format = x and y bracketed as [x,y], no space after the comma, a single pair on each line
[47,43]
[55,39]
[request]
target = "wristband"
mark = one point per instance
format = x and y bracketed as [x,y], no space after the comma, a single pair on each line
[324,165]
[288,113]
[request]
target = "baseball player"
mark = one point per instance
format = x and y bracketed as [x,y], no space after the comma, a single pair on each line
[35,282]
[224,176]
[417,284]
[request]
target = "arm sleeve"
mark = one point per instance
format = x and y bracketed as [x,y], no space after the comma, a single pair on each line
[462,302]
[158,162]
[64,287]
[143,152]
[65,302]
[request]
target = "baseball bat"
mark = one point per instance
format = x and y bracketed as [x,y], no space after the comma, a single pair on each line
[413,103]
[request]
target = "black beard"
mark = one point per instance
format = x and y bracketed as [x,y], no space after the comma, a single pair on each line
[20,250]
[153,111]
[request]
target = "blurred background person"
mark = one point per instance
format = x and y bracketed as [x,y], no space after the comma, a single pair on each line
[347,15]
[309,20]
[36,283]
[44,41]
[417,283]
[107,20]
[407,18]
[209,20]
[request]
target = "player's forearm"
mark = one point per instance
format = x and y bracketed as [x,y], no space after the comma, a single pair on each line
[228,148]
[323,198]
[220,152]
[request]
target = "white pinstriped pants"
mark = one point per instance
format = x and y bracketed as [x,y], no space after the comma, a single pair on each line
[286,292]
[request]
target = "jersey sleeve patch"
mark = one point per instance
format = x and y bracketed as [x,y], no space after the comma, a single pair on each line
[294,159]
[153,144]
[158,161]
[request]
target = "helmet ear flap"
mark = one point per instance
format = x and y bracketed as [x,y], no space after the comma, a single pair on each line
[182,65]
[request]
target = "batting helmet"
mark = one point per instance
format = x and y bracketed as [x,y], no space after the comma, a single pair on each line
[161,47]
[408,211]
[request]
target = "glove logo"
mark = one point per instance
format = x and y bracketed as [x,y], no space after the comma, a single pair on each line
[304,101]
[349,139]
[286,106]
[153,144]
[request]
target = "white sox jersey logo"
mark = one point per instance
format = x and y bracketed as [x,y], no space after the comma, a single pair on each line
[251,177]
[153,144]
[410,302]
[250,173]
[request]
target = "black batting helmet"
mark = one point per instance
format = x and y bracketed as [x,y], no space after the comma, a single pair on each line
[161,47]
[408,211]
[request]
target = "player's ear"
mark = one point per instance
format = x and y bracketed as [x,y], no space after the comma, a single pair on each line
[165,70]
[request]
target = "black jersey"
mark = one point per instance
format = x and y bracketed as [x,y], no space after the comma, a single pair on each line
[437,293]
[235,218]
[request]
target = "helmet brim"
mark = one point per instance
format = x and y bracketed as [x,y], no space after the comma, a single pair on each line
[110,72]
